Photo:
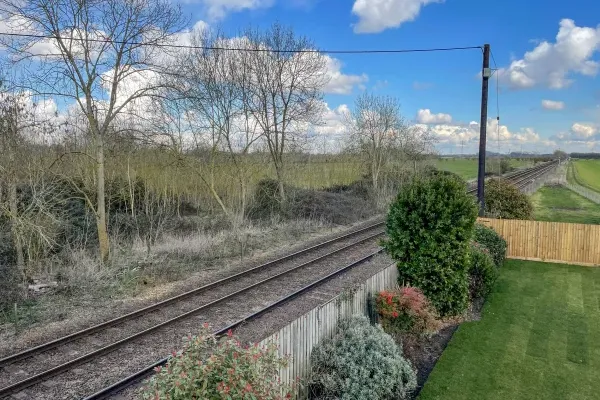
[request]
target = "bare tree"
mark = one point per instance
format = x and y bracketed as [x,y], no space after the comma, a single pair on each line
[285,91]
[96,53]
[376,129]
[214,86]
[417,144]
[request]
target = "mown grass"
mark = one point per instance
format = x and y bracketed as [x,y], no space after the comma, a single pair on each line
[587,173]
[539,338]
[559,204]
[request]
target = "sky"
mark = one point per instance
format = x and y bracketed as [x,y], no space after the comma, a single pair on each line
[545,56]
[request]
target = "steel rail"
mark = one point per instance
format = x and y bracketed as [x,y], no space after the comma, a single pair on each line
[149,370]
[40,377]
[126,317]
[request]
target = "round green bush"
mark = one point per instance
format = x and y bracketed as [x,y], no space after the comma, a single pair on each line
[360,362]
[482,271]
[429,227]
[492,241]
[504,200]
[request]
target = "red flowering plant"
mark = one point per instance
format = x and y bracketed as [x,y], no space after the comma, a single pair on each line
[406,309]
[220,369]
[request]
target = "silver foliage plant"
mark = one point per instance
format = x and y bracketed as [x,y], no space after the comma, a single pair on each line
[361,361]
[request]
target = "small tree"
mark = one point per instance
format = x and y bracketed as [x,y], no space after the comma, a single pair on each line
[429,227]
[504,200]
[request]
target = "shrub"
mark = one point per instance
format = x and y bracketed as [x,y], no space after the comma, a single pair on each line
[429,227]
[482,272]
[492,241]
[360,362]
[209,368]
[406,310]
[504,200]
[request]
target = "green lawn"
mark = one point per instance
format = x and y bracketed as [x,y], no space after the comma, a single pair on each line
[539,338]
[559,204]
[588,173]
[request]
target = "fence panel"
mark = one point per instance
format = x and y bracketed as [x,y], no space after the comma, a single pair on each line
[549,241]
[298,338]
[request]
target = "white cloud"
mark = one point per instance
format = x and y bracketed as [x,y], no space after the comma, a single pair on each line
[218,9]
[467,135]
[551,64]
[333,120]
[424,116]
[583,130]
[553,105]
[377,15]
[340,83]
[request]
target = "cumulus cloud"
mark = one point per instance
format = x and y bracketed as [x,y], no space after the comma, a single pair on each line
[583,130]
[425,116]
[378,15]
[340,83]
[219,9]
[468,135]
[553,105]
[552,64]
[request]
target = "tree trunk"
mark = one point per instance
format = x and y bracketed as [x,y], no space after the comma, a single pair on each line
[14,215]
[279,171]
[103,242]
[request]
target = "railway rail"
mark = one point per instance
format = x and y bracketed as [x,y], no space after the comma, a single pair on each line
[55,357]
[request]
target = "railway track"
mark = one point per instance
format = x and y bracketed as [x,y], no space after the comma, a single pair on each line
[37,366]
[522,178]
[29,373]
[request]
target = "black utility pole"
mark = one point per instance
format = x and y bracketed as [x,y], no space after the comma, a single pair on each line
[486,73]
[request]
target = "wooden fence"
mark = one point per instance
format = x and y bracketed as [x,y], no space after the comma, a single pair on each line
[549,241]
[299,337]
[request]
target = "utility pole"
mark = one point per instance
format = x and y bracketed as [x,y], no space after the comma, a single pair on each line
[485,73]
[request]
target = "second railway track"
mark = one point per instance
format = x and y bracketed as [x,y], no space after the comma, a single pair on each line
[37,372]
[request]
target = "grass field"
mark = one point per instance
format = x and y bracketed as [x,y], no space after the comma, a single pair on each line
[559,204]
[587,173]
[467,167]
[539,338]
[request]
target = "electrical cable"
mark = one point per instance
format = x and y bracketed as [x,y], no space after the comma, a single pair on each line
[177,46]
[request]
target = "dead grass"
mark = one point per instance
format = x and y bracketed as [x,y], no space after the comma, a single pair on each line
[89,293]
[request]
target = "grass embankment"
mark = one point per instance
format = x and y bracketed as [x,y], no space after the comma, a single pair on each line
[539,338]
[559,204]
[586,173]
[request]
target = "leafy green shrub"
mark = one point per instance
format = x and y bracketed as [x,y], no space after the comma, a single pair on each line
[360,362]
[219,369]
[492,241]
[429,227]
[482,272]
[504,200]
[406,309]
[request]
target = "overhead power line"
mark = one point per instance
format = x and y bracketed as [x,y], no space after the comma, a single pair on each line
[182,46]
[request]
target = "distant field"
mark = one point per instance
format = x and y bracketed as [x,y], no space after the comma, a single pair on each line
[559,204]
[587,173]
[467,167]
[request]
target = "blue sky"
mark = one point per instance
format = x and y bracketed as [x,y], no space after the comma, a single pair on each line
[546,52]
